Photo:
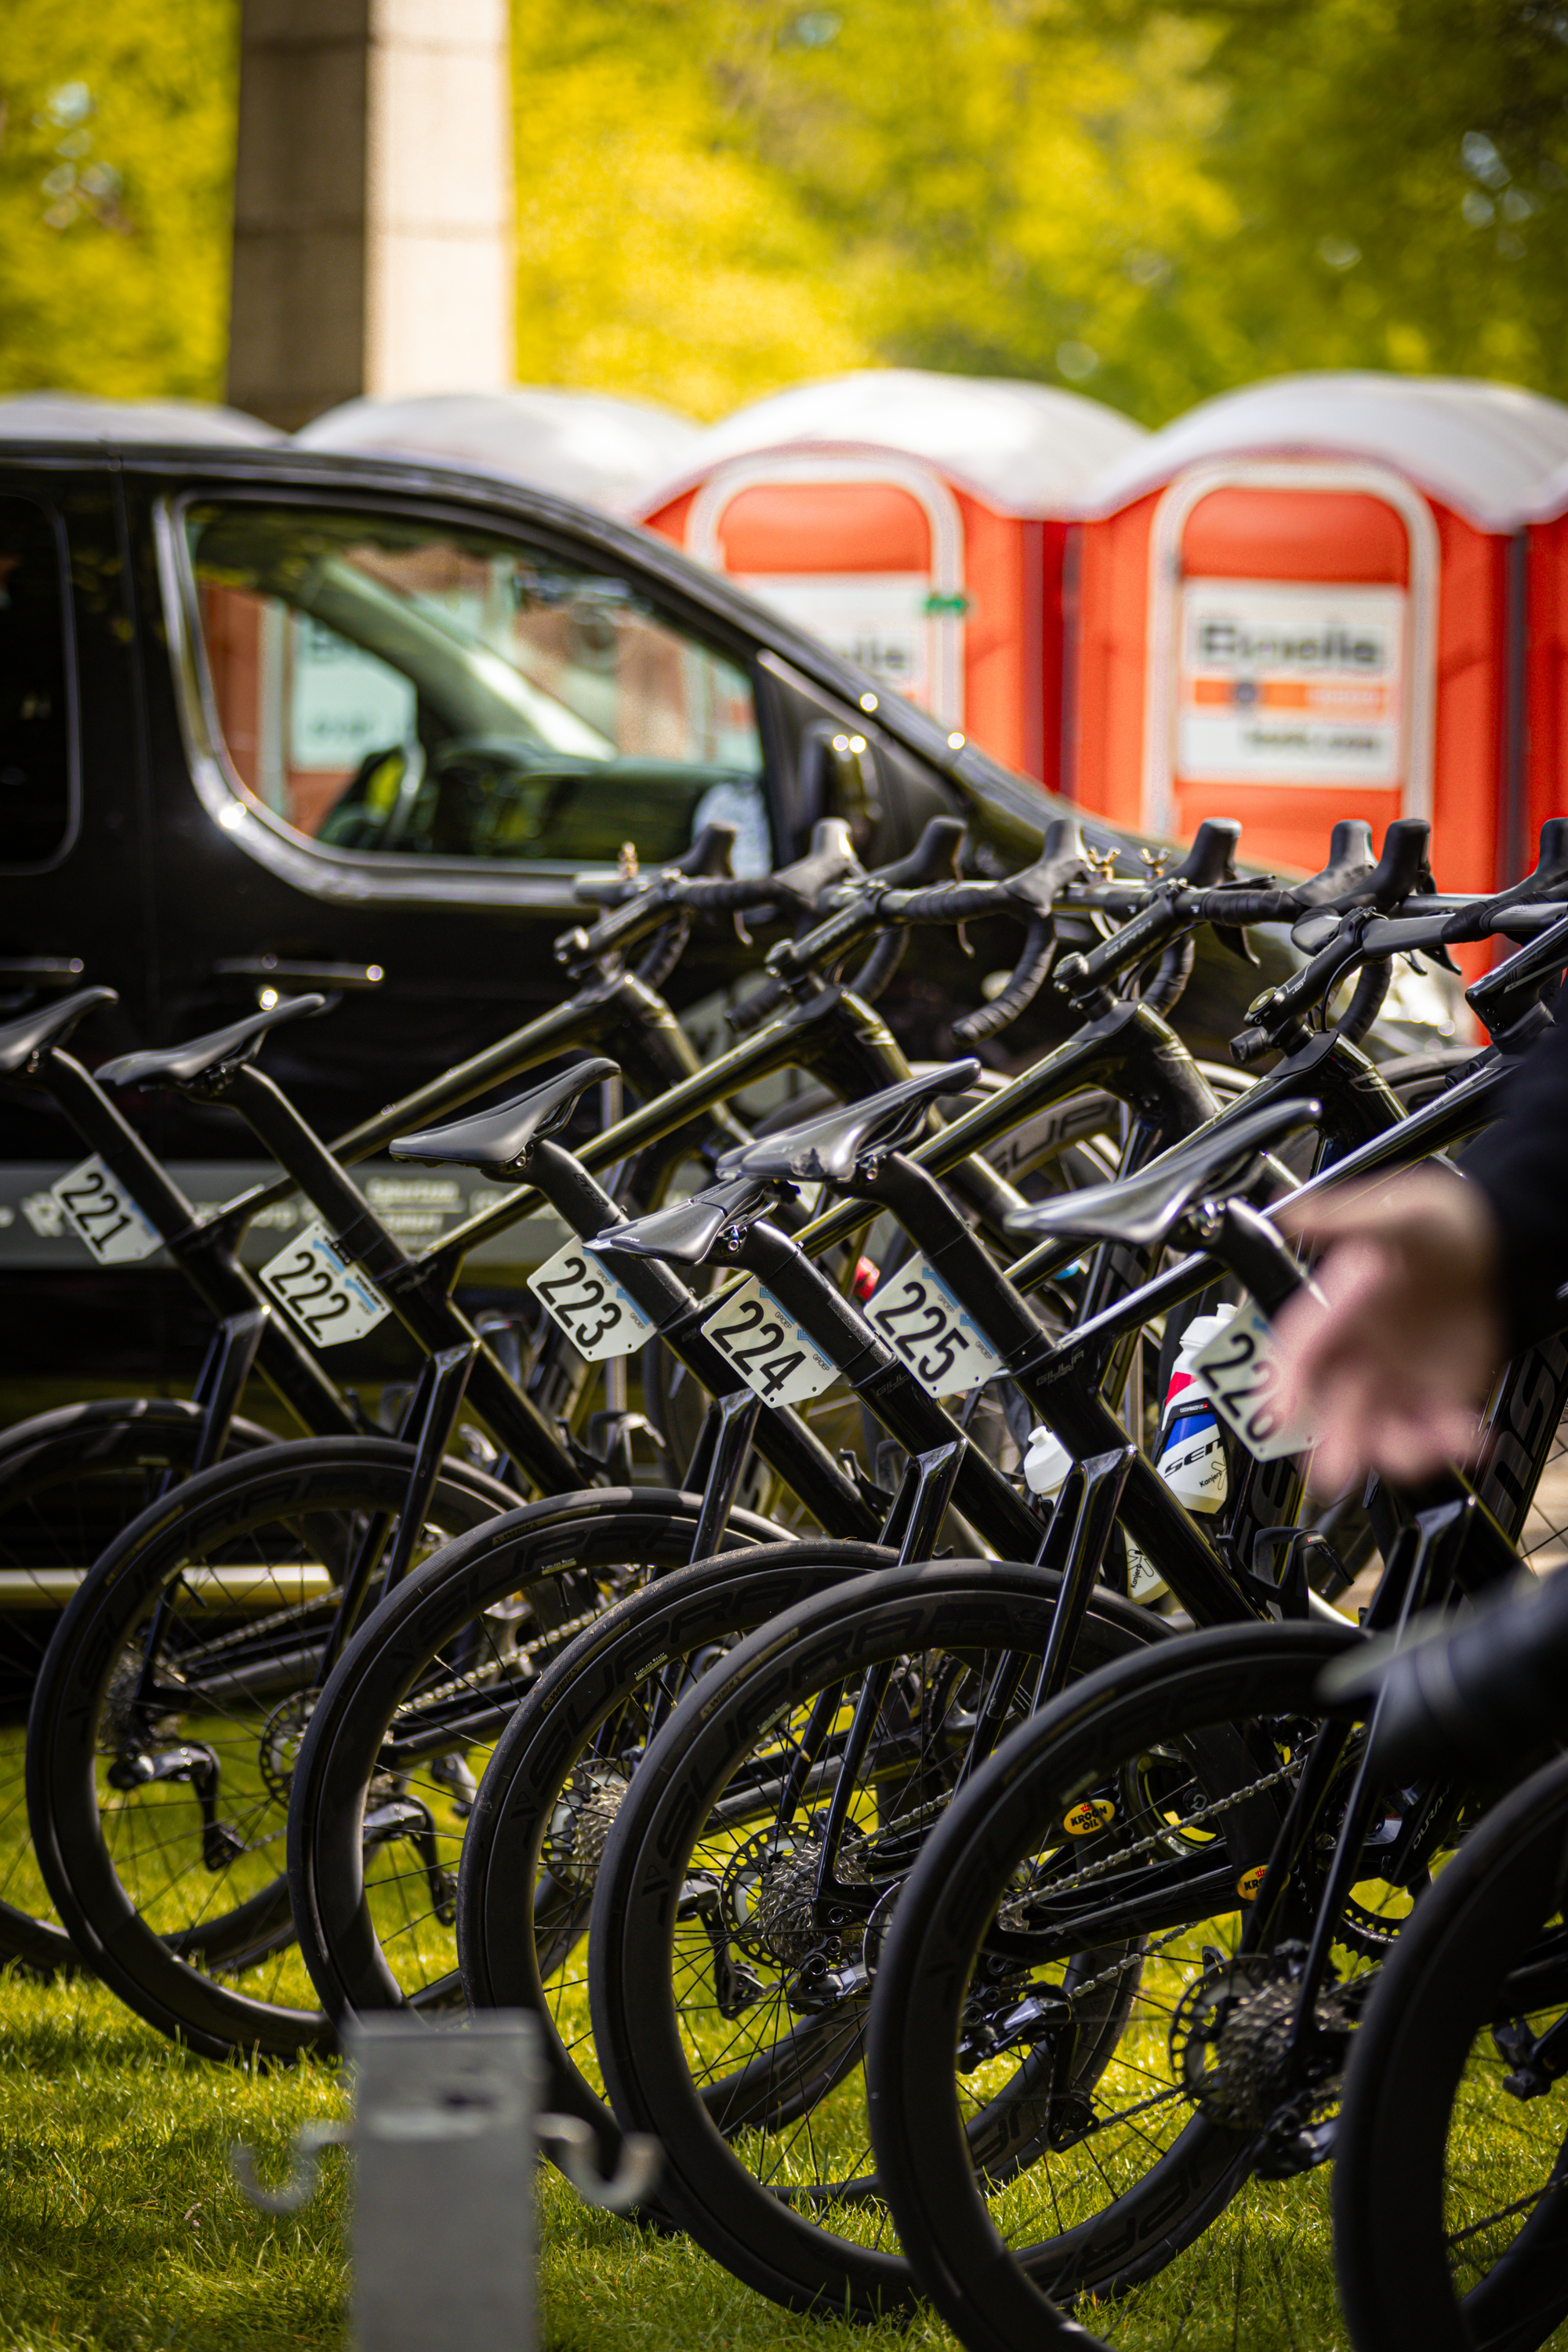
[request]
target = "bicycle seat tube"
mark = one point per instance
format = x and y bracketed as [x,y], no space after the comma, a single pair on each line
[200,1250]
[416,1297]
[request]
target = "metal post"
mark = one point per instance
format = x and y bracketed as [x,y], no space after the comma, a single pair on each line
[446,2135]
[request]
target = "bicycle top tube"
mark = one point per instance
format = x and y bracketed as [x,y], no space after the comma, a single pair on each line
[832,1029]
[204,1258]
[606,1009]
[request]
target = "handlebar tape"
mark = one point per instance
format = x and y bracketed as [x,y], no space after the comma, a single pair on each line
[1040,946]
[880,966]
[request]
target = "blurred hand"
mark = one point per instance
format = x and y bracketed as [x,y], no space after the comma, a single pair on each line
[1392,1372]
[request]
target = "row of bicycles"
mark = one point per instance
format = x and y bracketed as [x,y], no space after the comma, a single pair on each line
[913,1766]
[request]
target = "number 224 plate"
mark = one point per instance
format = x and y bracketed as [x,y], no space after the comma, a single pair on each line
[768,1349]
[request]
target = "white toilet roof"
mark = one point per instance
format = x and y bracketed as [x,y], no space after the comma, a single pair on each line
[582,445]
[1023,448]
[1489,450]
[80,416]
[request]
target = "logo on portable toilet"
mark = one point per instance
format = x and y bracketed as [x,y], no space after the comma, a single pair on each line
[1291,686]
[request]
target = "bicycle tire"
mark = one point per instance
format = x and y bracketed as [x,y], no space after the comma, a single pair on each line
[363,1950]
[503,1912]
[953,1613]
[70,1479]
[147,1879]
[1417,2085]
[1000,2297]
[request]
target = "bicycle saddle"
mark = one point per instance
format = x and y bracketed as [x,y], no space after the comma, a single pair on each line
[687,1232]
[1142,1210]
[497,1143]
[206,1058]
[35,1032]
[826,1151]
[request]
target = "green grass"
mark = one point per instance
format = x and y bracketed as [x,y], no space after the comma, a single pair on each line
[120,2227]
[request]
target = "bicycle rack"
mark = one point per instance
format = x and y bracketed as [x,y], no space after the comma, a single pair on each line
[446,2135]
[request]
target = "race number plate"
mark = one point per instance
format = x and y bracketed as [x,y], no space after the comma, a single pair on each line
[938,1339]
[581,1300]
[318,1286]
[768,1349]
[103,1214]
[1239,1373]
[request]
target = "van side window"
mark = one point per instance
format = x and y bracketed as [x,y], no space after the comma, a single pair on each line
[387,685]
[35,713]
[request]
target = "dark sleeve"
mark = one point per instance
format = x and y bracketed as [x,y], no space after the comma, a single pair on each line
[1521,1165]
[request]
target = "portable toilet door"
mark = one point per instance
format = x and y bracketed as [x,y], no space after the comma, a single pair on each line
[916,522]
[1544,671]
[1294,605]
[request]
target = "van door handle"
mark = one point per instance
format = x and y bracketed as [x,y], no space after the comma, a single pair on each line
[282,972]
[41,972]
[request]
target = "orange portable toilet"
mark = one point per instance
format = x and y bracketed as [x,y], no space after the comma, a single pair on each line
[918,523]
[1301,602]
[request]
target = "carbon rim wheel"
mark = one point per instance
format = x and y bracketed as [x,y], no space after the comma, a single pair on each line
[728,2009]
[1451,2188]
[555,1781]
[69,1481]
[162,1735]
[1207,1725]
[387,1772]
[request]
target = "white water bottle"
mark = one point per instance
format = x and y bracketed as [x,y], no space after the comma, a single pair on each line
[1191,1459]
[1047,1463]
[1191,1451]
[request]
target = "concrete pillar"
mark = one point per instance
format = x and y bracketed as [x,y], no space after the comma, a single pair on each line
[374,218]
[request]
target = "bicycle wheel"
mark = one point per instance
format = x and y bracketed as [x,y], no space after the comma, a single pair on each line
[560,1768]
[1151,1797]
[1451,2187]
[386,1778]
[166,1714]
[746,1881]
[69,1480]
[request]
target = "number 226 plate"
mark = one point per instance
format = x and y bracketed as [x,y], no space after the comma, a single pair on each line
[1238,1372]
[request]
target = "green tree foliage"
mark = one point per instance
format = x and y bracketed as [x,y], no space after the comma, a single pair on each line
[717,197]
[116,178]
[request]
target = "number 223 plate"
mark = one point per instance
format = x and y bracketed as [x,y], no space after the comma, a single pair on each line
[586,1302]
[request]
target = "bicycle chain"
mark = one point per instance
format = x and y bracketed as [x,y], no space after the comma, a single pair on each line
[1151,1844]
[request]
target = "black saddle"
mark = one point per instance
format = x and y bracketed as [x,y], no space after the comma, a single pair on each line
[826,1151]
[21,1041]
[686,1233]
[497,1142]
[1142,1209]
[205,1058]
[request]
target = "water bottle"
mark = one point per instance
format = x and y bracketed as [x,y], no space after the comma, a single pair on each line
[1191,1451]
